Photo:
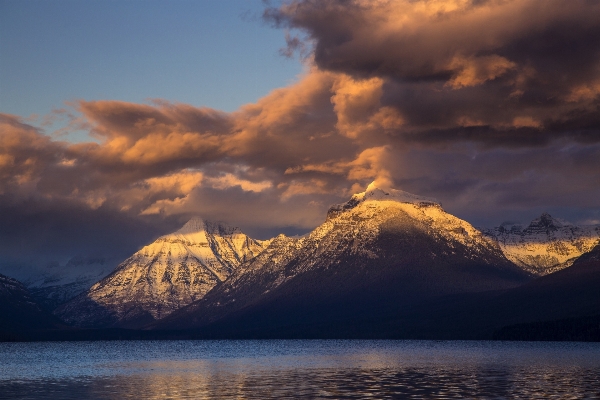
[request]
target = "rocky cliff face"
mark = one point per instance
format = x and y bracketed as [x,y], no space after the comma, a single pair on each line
[168,274]
[546,245]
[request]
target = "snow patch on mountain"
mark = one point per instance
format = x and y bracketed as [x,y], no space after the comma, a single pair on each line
[379,194]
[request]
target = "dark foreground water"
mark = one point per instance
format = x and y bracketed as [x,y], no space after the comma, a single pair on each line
[309,369]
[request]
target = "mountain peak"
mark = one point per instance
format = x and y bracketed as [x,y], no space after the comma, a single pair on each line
[545,222]
[173,271]
[545,245]
[195,224]
[375,192]
[198,224]
[381,192]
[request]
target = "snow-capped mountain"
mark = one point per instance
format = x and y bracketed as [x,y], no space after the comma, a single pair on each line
[58,283]
[546,245]
[383,248]
[168,274]
[55,283]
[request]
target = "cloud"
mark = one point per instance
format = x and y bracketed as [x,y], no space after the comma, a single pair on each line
[161,136]
[229,180]
[24,154]
[369,165]
[161,159]
[304,187]
[357,104]
[474,71]
[436,64]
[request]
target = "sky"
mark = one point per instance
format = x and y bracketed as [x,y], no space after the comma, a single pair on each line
[205,53]
[119,120]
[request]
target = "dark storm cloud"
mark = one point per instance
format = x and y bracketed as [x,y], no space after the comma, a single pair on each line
[437,40]
[37,231]
[460,63]
[487,186]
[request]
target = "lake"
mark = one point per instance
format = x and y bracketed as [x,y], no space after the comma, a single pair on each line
[309,369]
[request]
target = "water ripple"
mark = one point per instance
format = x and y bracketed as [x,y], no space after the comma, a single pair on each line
[299,370]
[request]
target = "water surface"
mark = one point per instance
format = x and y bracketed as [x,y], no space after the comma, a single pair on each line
[310,369]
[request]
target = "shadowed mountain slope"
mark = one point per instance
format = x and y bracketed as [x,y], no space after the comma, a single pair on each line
[552,307]
[18,310]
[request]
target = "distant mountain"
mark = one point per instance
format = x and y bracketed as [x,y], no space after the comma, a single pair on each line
[61,283]
[19,311]
[383,248]
[168,274]
[546,245]
[54,283]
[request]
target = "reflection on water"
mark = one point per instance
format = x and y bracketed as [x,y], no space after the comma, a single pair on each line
[298,369]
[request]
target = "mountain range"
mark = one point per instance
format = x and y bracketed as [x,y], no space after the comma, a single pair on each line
[382,247]
[384,264]
[546,245]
